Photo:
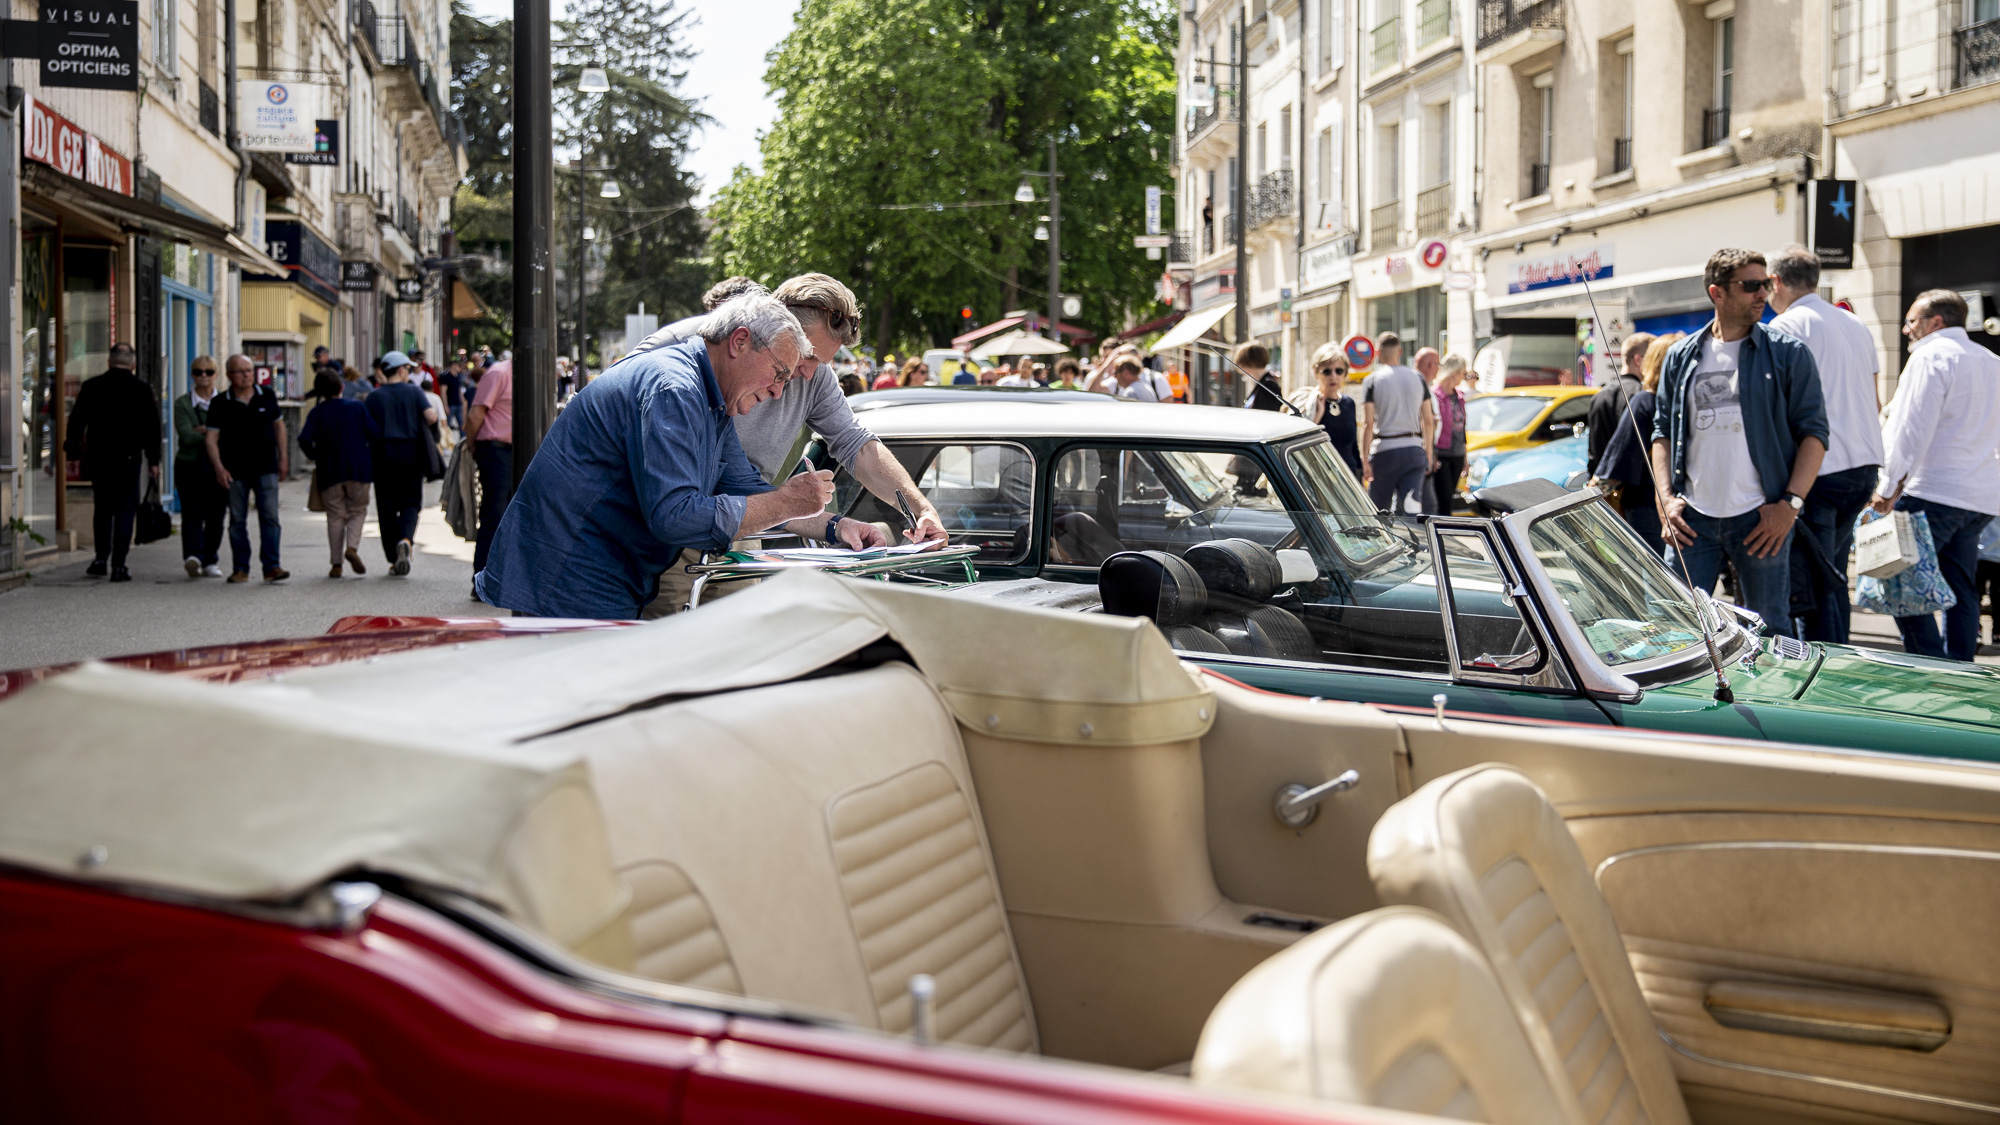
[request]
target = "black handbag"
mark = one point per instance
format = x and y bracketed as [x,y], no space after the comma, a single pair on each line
[153,523]
[433,460]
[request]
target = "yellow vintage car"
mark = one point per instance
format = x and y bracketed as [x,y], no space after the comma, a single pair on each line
[1519,417]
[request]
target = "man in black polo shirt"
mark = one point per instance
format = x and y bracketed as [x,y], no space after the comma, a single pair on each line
[247,447]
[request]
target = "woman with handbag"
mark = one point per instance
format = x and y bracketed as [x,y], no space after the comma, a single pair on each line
[402,453]
[336,436]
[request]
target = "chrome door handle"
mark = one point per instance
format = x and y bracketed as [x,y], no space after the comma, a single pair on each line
[1295,806]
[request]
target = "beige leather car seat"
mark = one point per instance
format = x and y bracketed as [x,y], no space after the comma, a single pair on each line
[813,842]
[1484,848]
[1391,1008]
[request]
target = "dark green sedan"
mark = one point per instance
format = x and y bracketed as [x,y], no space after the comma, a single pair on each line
[1251,545]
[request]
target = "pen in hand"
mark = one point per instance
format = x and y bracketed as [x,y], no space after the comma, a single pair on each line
[909,517]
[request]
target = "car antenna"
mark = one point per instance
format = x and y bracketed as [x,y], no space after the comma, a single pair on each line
[1256,388]
[1722,692]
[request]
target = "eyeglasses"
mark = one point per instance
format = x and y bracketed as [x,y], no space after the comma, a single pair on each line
[836,321]
[781,374]
[1752,285]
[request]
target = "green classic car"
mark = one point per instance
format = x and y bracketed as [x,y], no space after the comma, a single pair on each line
[1245,538]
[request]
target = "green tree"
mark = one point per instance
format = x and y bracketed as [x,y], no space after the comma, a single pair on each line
[482,61]
[941,105]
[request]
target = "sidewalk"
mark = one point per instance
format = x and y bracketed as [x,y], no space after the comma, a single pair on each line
[61,614]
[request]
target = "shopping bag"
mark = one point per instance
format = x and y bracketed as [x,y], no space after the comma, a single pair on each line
[1884,546]
[314,501]
[1918,589]
[153,523]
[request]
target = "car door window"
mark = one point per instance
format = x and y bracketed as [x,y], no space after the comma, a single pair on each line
[1487,636]
[1566,417]
[984,492]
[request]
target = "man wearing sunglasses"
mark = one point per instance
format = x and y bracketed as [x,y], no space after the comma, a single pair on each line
[1738,439]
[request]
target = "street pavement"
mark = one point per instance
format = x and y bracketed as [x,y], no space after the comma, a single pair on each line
[62,615]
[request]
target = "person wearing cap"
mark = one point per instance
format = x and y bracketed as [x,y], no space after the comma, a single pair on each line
[402,417]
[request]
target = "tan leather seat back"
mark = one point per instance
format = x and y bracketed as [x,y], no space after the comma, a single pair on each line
[1391,1008]
[813,842]
[1484,848]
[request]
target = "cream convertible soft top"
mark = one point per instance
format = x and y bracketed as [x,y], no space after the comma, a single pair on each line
[260,792]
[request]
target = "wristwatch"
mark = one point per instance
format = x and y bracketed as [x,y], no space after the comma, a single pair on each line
[1798,503]
[832,527]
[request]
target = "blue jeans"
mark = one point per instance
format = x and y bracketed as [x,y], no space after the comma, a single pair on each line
[1831,507]
[267,522]
[1399,475]
[1956,533]
[1767,582]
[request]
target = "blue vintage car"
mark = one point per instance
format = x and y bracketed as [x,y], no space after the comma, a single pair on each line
[1566,462]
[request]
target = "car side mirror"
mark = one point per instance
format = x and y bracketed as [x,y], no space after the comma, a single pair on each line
[1564,428]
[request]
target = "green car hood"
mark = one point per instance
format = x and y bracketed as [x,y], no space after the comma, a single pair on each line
[1895,683]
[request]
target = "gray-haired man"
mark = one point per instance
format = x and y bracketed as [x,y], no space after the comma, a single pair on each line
[644,461]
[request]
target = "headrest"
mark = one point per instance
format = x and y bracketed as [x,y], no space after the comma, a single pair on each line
[1151,584]
[1505,498]
[1236,566]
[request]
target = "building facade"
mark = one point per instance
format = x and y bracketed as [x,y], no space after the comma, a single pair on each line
[143,220]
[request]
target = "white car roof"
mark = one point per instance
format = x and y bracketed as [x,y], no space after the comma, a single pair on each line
[1169,421]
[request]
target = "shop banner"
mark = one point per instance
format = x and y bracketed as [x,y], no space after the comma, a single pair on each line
[90,44]
[278,116]
[326,145]
[47,137]
[1567,267]
[309,262]
[357,277]
[1834,203]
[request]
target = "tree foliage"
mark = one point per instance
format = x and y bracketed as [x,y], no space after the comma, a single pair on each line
[947,102]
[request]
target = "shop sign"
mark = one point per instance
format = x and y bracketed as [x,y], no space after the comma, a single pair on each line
[357,277]
[47,137]
[326,145]
[309,262]
[90,44]
[410,290]
[1459,281]
[1222,284]
[1329,263]
[1264,321]
[1434,253]
[1569,267]
[277,116]
[1833,205]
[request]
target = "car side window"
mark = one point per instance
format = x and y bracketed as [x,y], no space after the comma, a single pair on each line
[1567,415]
[984,493]
[1103,501]
[1485,632]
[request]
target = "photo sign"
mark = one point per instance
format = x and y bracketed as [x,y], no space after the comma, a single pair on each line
[90,44]
[278,116]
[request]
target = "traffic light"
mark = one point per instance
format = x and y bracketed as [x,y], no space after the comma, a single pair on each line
[966,312]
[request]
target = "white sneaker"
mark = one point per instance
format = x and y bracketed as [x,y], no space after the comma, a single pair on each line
[212,570]
[193,566]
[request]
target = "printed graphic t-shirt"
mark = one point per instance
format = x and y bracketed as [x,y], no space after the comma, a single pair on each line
[1722,481]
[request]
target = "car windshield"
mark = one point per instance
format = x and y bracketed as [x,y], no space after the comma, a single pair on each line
[1503,413]
[1628,605]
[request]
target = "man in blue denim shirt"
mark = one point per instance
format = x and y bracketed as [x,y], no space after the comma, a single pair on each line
[1737,442]
[643,462]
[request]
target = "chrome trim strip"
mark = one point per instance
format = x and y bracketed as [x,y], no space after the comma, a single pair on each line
[1837,1083]
[1796,845]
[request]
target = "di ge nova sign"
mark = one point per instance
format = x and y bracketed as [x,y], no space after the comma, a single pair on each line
[87,44]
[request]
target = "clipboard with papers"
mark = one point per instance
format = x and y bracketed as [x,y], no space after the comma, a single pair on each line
[905,561]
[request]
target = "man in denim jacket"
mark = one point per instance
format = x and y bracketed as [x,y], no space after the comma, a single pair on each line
[1737,441]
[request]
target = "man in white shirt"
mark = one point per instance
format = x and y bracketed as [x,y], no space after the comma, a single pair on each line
[1943,459]
[1139,384]
[1845,354]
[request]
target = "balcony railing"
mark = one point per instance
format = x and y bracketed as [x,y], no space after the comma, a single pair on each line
[1207,239]
[1538,180]
[1434,211]
[1385,225]
[1621,154]
[1714,126]
[1433,21]
[1203,118]
[1229,230]
[1272,198]
[1181,249]
[1384,49]
[1500,18]
[1977,51]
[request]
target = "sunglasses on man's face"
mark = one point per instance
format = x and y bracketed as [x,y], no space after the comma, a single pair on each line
[1752,284]
[836,321]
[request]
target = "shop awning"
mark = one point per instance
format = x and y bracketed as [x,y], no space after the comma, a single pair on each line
[465,304]
[1031,322]
[140,217]
[1193,327]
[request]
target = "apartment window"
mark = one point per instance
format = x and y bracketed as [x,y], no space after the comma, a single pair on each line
[1434,201]
[1621,145]
[1385,217]
[1263,148]
[166,37]
[1326,216]
[1327,33]
[1715,121]
[1545,139]
[1285,138]
[1976,42]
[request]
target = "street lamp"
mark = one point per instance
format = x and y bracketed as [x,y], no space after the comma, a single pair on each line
[1042,231]
[593,81]
[609,190]
[1025,193]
